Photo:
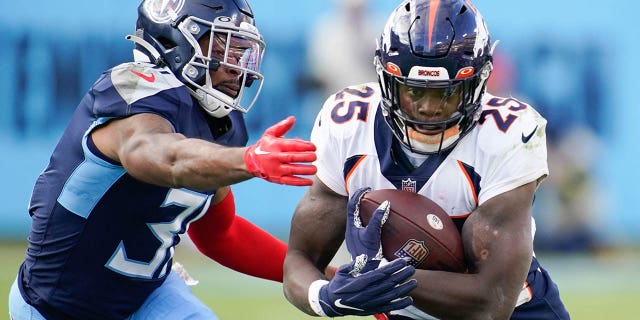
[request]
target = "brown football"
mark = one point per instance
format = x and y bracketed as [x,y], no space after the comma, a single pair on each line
[417,228]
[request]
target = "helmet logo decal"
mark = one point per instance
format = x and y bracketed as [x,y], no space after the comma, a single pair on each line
[394,69]
[465,72]
[428,73]
[161,11]
[433,11]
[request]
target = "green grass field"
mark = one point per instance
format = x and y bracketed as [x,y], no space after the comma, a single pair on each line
[604,287]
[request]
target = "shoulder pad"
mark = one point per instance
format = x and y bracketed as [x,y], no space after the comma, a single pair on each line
[137,80]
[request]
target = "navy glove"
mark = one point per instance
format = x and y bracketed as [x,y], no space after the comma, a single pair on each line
[351,292]
[361,240]
[361,288]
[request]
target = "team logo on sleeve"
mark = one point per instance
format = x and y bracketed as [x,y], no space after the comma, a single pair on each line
[161,11]
[409,185]
[415,250]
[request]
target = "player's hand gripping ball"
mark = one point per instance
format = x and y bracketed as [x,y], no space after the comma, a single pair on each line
[418,229]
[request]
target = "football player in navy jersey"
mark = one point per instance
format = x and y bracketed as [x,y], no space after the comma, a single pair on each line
[149,154]
[429,127]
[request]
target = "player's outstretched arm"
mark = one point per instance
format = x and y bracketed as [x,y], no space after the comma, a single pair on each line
[238,244]
[149,150]
[235,242]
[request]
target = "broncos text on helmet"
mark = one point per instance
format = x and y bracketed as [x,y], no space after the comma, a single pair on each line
[442,45]
[170,32]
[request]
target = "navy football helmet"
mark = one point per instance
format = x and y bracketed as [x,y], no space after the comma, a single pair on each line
[168,33]
[441,45]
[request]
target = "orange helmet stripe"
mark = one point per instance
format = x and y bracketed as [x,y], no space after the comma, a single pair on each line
[433,10]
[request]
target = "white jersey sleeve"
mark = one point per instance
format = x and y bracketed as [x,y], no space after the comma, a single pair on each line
[343,128]
[511,146]
[326,147]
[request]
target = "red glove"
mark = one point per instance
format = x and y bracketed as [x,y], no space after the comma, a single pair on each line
[273,157]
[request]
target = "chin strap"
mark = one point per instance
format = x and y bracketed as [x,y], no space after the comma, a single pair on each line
[155,57]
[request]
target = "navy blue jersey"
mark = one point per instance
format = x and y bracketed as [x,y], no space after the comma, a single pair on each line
[101,240]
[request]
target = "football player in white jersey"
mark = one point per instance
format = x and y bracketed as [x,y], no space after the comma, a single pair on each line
[427,126]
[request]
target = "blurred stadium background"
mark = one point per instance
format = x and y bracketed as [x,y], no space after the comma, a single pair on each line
[573,61]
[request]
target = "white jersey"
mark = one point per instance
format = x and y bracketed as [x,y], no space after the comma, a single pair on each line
[505,150]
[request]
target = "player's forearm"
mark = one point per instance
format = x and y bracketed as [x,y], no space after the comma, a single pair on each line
[447,295]
[204,166]
[317,231]
[299,273]
[497,242]
[173,161]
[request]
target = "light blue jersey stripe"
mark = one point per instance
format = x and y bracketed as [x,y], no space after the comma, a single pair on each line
[90,181]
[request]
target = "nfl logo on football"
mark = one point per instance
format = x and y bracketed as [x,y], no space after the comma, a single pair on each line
[415,250]
[409,185]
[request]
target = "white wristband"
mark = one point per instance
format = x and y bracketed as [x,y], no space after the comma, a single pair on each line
[314,296]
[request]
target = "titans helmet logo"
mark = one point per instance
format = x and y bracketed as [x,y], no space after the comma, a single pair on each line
[161,11]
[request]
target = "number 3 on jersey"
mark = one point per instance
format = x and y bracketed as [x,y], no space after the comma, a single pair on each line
[165,232]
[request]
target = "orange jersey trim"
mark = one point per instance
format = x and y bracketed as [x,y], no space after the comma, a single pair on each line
[473,189]
[346,179]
